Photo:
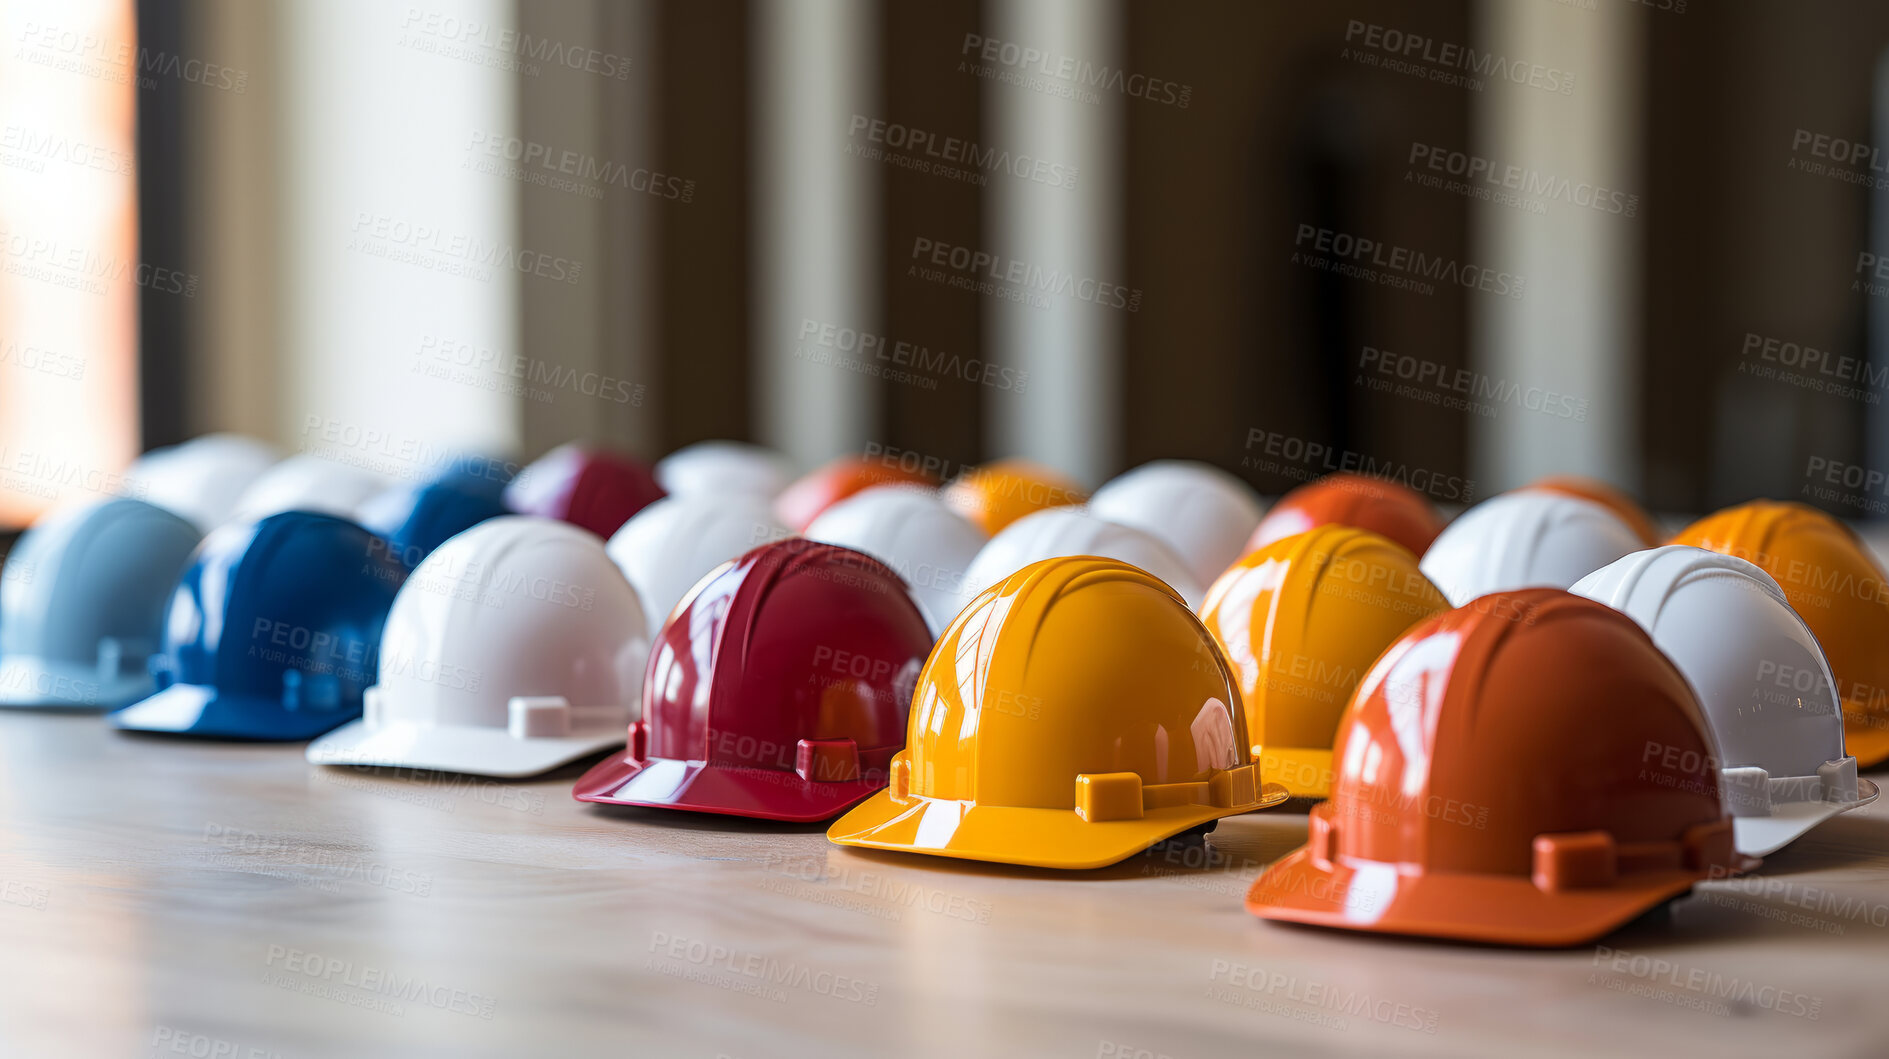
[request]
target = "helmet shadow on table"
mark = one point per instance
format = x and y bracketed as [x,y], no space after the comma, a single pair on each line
[685,820]
[1242,845]
[1847,840]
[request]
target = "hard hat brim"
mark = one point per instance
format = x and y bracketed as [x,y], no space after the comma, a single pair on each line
[700,787]
[1499,909]
[476,751]
[1040,838]
[1868,745]
[22,676]
[1760,836]
[199,710]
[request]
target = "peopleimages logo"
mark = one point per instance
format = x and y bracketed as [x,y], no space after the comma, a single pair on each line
[984,268]
[1427,378]
[901,353]
[1701,984]
[117,62]
[1810,368]
[539,163]
[1313,995]
[1357,256]
[378,982]
[927,148]
[1076,75]
[42,147]
[760,970]
[1480,172]
[511,42]
[1444,57]
[395,239]
[1295,457]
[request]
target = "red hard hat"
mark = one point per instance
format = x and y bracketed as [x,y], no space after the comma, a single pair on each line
[586,487]
[778,689]
[1386,508]
[1528,769]
[800,503]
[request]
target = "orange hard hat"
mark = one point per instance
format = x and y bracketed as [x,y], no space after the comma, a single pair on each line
[1386,508]
[1608,497]
[800,503]
[997,494]
[1833,582]
[1526,770]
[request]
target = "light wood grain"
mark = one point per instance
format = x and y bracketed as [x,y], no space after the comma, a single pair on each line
[155,889]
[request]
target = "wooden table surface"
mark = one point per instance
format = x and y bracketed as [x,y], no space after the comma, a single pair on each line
[160,896]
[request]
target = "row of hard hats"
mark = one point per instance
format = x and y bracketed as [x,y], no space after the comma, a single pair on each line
[1075,710]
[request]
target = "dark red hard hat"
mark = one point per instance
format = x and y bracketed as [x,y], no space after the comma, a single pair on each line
[779,689]
[592,488]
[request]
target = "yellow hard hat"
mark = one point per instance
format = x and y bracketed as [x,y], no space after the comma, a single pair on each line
[1073,714]
[1301,620]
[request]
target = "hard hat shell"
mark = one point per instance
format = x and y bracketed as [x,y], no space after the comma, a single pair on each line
[1061,531]
[1387,508]
[513,649]
[1525,539]
[1608,497]
[82,602]
[273,631]
[586,487]
[800,503]
[1199,510]
[1760,677]
[415,519]
[673,543]
[305,482]
[996,494]
[1833,582]
[1301,620]
[778,689]
[717,467]
[1073,715]
[482,474]
[1525,770]
[916,534]
[201,479]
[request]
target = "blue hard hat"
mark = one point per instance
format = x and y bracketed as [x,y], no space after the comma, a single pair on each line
[415,519]
[483,475]
[82,603]
[273,632]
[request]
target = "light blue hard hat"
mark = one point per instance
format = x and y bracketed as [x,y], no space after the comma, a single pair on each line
[82,603]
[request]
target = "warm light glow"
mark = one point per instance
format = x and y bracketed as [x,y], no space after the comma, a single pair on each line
[69,269]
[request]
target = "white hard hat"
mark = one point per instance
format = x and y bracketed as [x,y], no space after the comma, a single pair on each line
[200,479]
[1527,539]
[1762,678]
[310,483]
[514,648]
[724,467]
[1059,531]
[914,532]
[668,546]
[1199,510]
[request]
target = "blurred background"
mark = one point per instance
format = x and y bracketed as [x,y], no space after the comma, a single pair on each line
[1465,244]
